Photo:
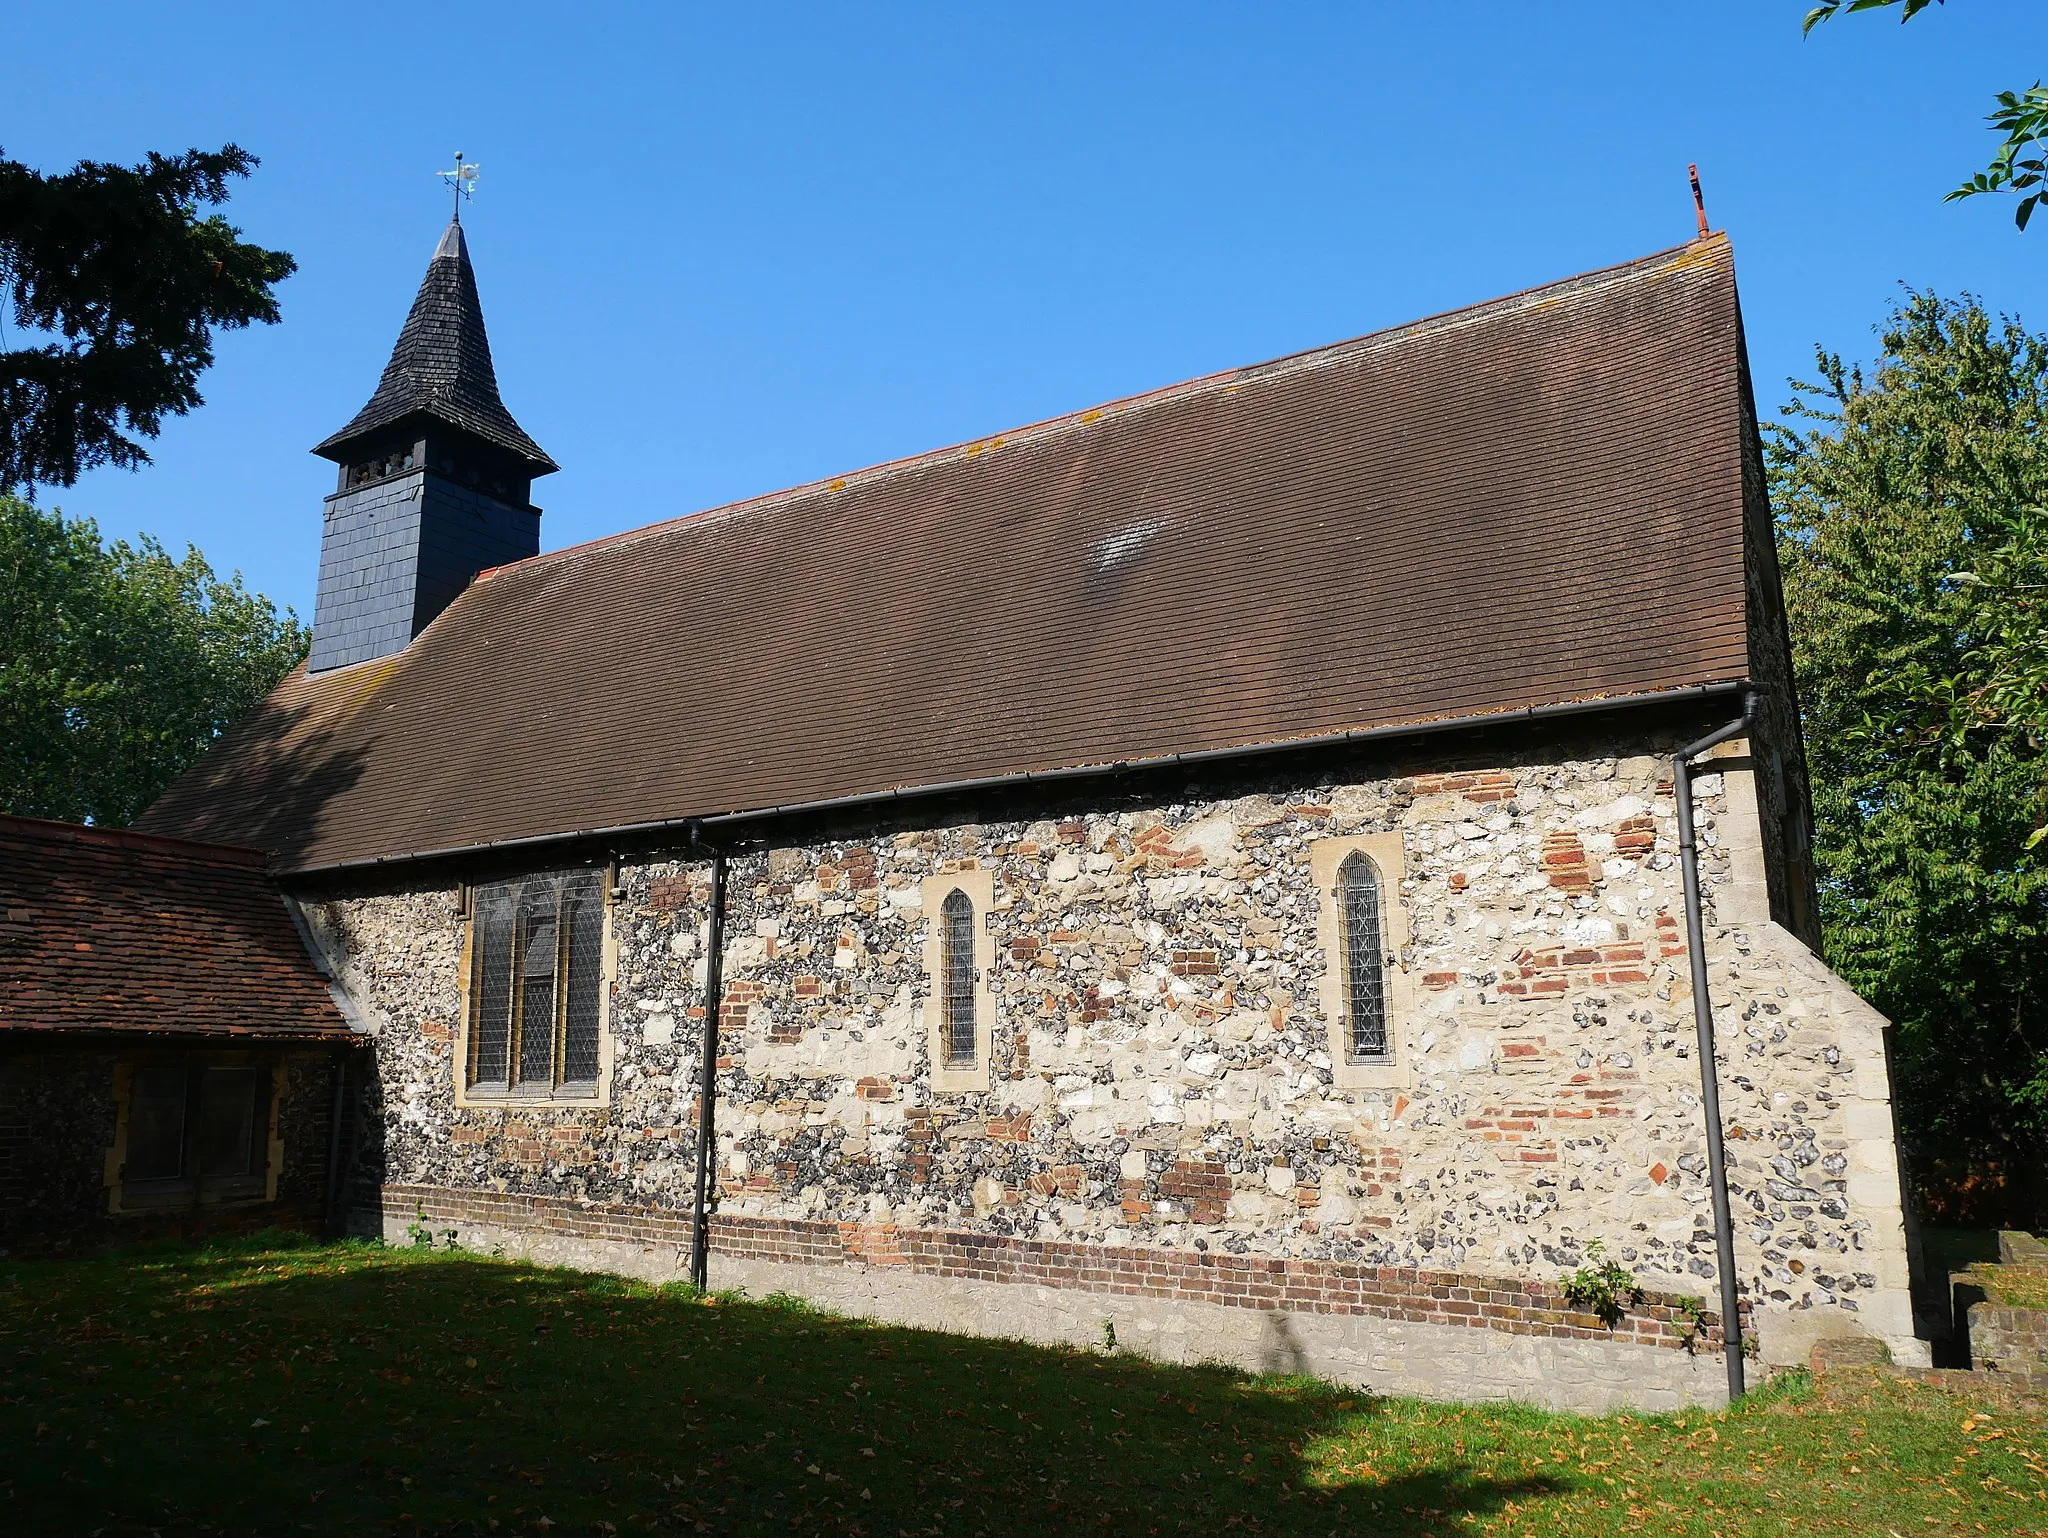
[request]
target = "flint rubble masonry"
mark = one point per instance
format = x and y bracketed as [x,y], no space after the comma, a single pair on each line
[1161,1081]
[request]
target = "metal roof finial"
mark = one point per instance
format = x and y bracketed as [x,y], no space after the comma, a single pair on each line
[1699,200]
[463,180]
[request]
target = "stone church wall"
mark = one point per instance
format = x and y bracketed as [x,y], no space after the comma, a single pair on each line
[1162,1143]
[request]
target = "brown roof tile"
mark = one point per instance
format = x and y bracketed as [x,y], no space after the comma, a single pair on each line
[1534,501]
[103,930]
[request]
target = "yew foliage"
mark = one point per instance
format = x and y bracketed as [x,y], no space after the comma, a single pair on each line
[116,281]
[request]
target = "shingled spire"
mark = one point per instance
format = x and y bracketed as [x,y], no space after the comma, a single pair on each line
[441,371]
[435,478]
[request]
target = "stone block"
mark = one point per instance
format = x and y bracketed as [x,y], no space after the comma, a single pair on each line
[1869,1119]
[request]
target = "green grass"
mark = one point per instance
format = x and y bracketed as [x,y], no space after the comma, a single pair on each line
[1975,1251]
[2014,1286]
[355,1389]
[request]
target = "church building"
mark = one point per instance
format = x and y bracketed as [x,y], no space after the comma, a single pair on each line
[1203,871]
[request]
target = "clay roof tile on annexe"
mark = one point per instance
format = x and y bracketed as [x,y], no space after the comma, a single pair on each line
[1531,501]
[105,931]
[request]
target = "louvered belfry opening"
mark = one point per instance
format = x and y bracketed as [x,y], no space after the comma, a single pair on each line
[536,985]
[1365,979]
[956,917]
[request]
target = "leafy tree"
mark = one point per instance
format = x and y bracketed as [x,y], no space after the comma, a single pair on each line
[117,268]
[119,665]
[1912,543]
[2021,162]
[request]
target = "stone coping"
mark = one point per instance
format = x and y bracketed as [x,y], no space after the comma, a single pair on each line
[1513,1305]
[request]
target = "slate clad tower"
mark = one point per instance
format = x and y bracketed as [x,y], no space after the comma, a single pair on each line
[435,479]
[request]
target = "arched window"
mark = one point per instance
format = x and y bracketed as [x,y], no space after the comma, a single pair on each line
[537,986]
[956,972]
[1365,961]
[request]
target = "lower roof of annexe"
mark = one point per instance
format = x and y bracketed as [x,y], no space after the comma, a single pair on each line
[107,935]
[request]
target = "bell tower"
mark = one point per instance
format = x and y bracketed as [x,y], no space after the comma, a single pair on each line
[435,481]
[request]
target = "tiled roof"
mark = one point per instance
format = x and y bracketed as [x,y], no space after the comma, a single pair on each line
[1538,500]
[441,367]
[102,930]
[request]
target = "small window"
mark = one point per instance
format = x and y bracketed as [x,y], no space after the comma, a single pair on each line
[196,1132]
[1362,935]
[959,967]
[156,1124]
[956,968]
[1365,961]
[536,986]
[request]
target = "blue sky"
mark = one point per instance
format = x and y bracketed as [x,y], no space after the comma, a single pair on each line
[724,250]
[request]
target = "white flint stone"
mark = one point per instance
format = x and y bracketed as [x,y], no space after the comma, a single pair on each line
[1235,1068]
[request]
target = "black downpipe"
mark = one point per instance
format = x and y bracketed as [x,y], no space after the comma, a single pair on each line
[1703,1023]
[332,1216]
[707,1077]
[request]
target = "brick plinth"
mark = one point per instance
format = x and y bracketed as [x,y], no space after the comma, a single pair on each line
[1236,1281]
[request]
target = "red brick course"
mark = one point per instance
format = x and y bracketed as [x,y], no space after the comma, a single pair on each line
[1407,1293]
[1484,785]
[1564,861]
[1201,1187]
[1557,969]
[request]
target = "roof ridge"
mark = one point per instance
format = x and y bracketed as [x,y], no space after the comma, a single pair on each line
[1157,592]
[54,831]
[1088,416]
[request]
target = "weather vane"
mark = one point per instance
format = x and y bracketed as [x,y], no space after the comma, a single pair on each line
[463,180]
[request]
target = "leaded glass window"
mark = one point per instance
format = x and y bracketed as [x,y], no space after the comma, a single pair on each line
[956,972]
[537,985]
[1365,961]
[156,1122]
[198,1132]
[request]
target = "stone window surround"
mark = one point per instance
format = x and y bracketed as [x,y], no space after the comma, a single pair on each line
[124,1087]
[1326,859]
[980,886]
[469,1099]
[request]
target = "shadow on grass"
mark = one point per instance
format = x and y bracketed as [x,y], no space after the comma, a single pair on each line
[1952,1249]
[350,1389]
